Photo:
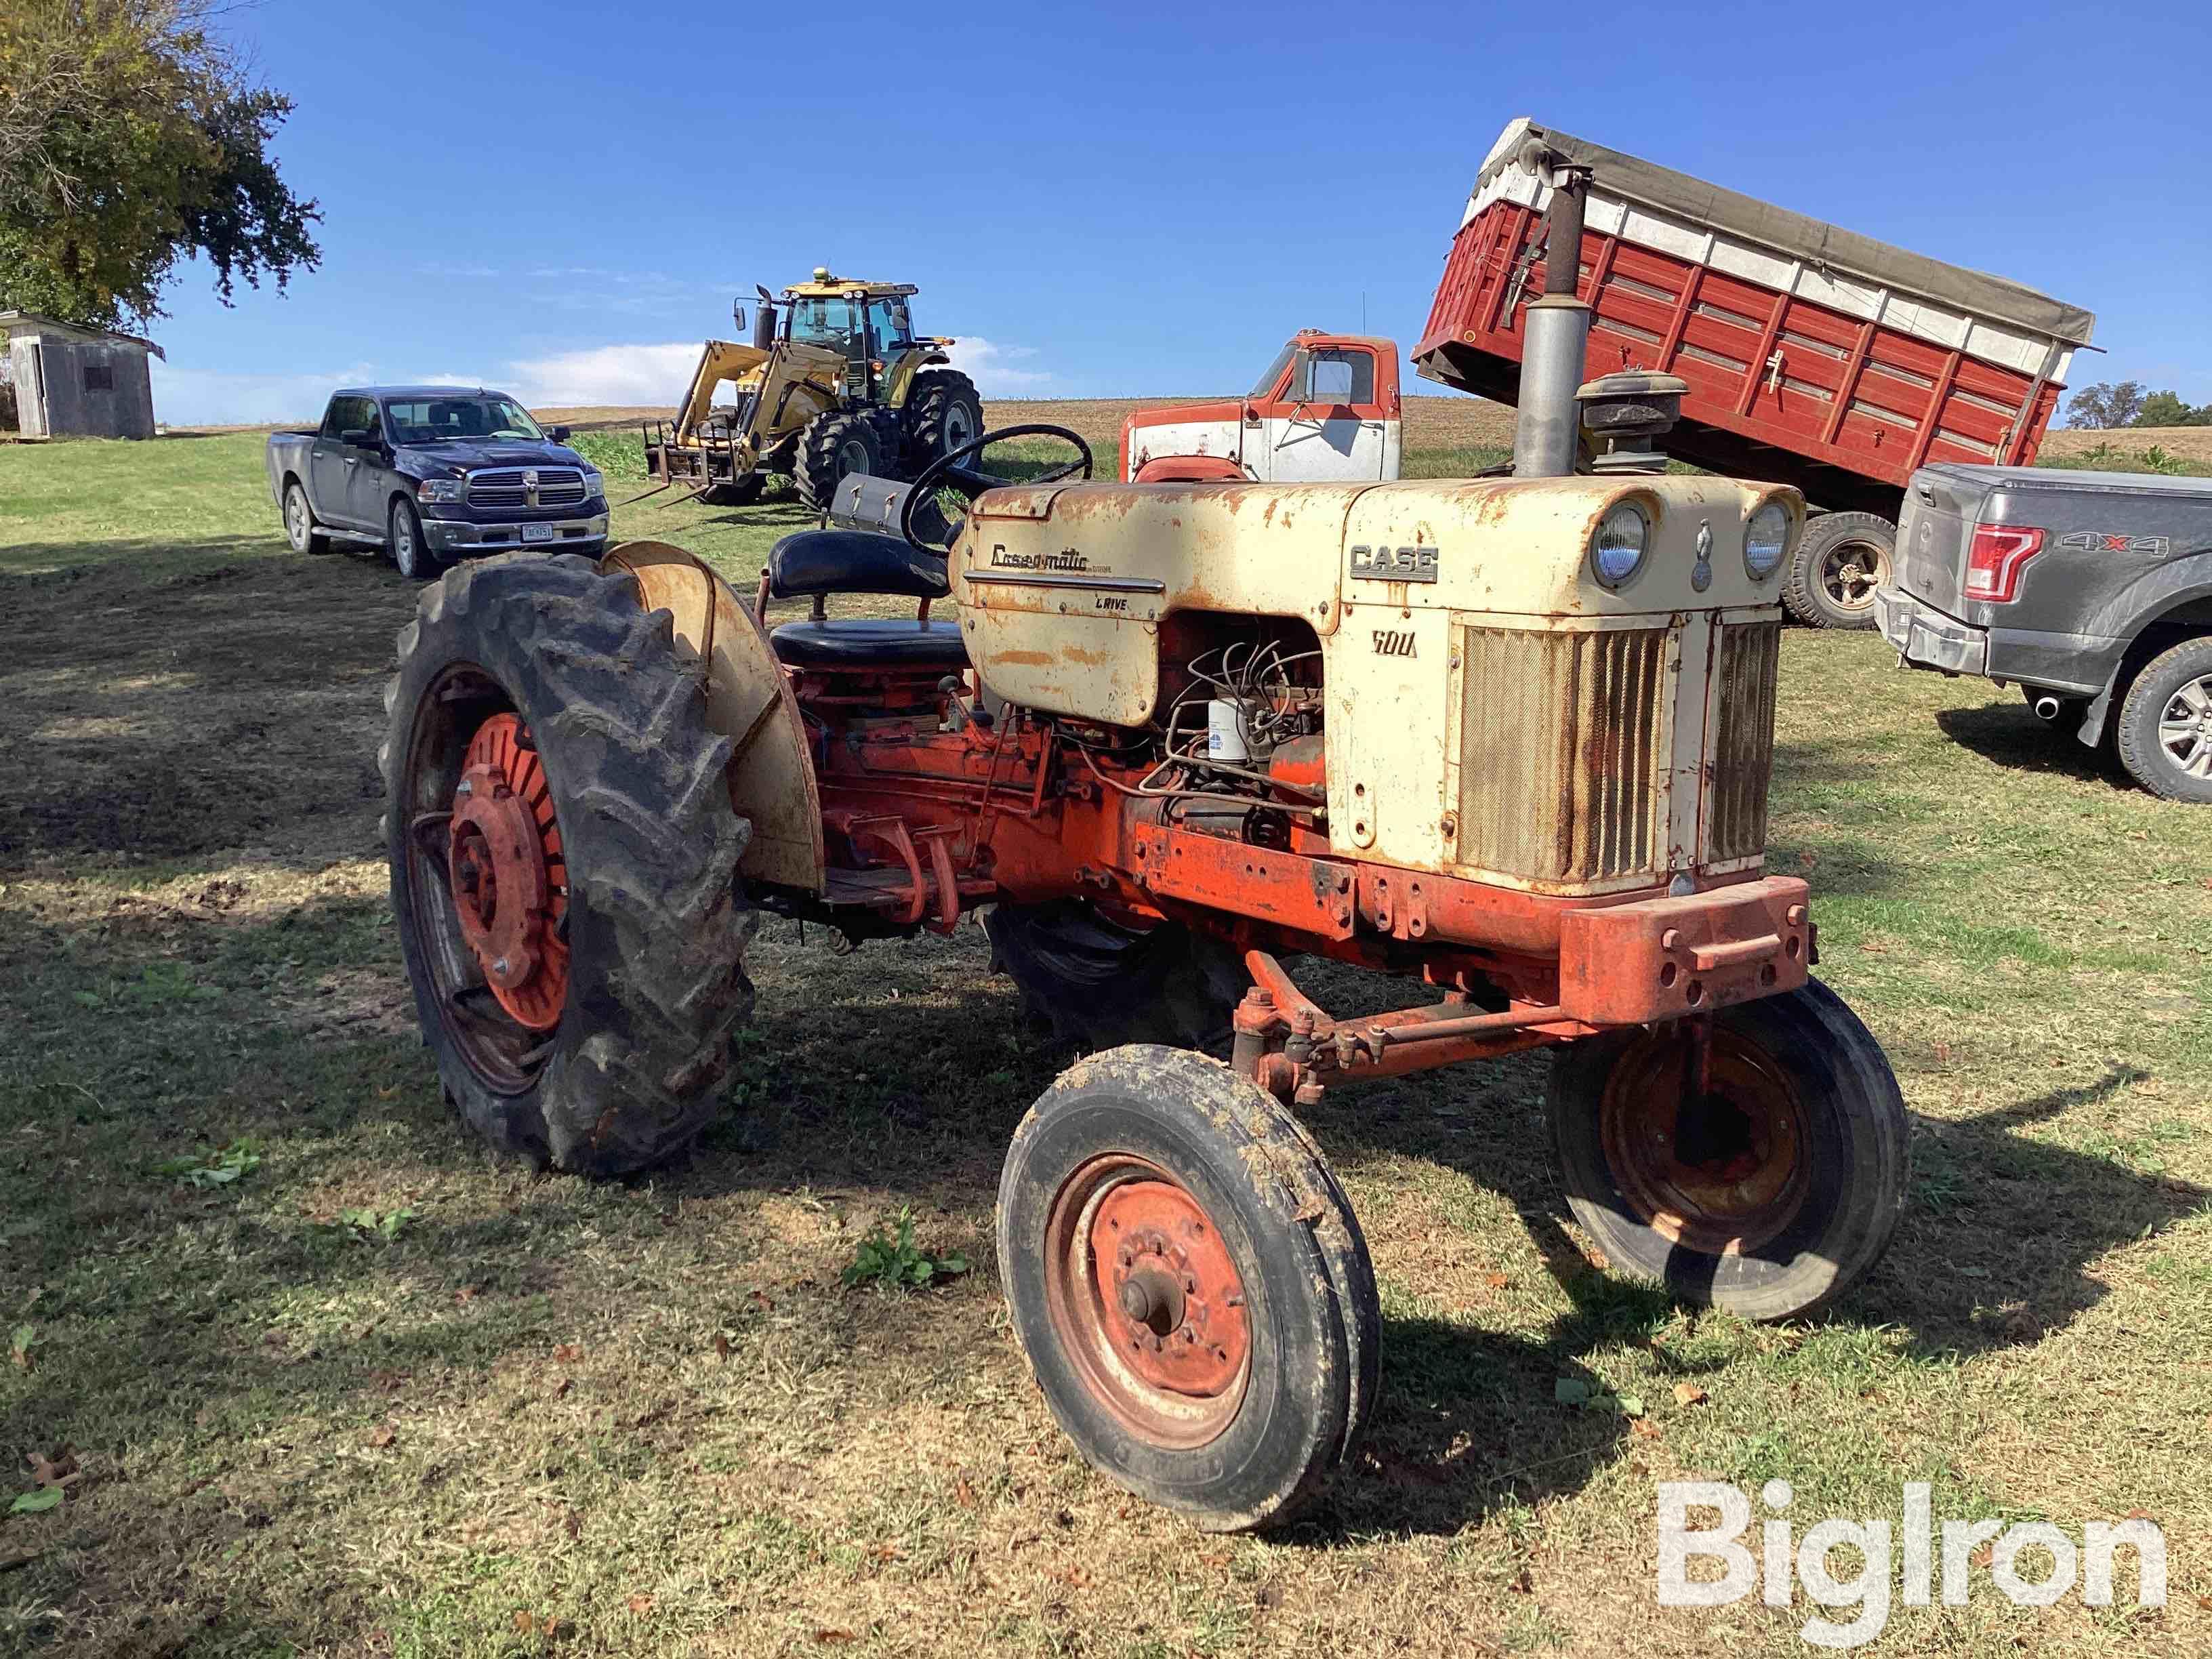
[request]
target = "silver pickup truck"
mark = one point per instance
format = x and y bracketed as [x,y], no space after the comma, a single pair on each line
[2091,591]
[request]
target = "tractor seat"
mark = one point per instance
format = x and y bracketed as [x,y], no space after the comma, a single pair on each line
[819,561]
[814,563]
[862,642]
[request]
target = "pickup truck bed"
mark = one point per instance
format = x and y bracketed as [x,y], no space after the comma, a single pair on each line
[2074,586]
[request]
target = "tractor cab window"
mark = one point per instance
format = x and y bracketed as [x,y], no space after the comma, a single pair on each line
[887,321]
[831,323]
[1335,376]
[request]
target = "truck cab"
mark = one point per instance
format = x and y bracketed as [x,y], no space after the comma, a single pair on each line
[1326,410]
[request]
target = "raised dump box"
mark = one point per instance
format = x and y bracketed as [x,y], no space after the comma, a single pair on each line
[1815,356]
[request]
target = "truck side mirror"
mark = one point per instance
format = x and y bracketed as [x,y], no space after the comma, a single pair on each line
[1301,377]
[738,317]
[559,435]
[355,435]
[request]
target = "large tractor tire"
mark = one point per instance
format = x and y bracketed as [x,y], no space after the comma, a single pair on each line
[943,412]
[865,440]
[1099,984]
[1769,1193]
[1189,1285]
[564,858]
[1841,559]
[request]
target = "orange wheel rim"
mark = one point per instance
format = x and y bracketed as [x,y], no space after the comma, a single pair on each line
[509,878]
[1720,1173]
[1147,1301]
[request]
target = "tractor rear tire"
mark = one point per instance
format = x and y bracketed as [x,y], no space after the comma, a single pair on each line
[1769,1195]
[1841,559]
[943,412]
[1189,1285]
[1099,985]
[640,975]
[865,440]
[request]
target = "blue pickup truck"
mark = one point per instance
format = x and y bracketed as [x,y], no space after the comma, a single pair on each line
[432,473]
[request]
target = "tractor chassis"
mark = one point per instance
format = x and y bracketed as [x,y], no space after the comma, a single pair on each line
[931,811]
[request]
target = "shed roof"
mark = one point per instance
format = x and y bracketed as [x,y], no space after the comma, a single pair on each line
[12,321]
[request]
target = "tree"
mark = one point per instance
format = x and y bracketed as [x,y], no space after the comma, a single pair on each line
[2166,408]
[131,138]
[2104,405]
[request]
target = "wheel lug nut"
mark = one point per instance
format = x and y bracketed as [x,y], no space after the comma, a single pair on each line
[500,966]
[466,789]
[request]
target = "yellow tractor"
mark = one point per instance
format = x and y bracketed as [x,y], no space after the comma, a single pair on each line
[835,380]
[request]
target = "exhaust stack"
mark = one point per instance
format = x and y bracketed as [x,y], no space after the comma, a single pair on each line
[1556,336]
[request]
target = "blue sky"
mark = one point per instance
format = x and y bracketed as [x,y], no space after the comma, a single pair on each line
[1141,199]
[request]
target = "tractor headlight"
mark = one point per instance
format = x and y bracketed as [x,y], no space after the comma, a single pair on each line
[442,490]
[1765,539]
[1624,537]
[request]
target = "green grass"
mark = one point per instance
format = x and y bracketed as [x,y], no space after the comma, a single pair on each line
[359,1388]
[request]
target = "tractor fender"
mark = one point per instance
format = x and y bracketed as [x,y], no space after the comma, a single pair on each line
[898,385]
[748,701]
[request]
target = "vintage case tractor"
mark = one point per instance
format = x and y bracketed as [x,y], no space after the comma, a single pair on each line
[1509,738]
[834,382]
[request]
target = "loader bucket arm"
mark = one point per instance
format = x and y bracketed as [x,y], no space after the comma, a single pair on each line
[719,361]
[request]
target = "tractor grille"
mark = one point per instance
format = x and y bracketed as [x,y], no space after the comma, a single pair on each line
[1746,661]
[557,486]
[1563,774]
[856,381]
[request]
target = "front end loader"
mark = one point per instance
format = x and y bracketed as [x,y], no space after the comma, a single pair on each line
[833,382]
[1506,738]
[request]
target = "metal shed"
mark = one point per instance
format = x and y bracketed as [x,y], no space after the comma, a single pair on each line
[71,382]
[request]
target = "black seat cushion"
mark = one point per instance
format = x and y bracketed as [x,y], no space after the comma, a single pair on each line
[811,562]
[871,642]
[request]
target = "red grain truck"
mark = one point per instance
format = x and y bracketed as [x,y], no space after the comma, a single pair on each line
[1813,356]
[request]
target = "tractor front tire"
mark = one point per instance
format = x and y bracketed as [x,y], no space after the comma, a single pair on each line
[943,412]
[865,440]
[1841,559]
[1099,984]
[1189,1285]
[1767,1196]
[534,681]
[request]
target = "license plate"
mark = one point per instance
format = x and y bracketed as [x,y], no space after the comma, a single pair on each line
[538,533]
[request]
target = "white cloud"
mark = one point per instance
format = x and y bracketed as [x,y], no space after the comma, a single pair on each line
[653,375]
[199,396]
[994,368]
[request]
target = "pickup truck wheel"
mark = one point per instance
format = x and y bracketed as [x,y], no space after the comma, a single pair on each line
[1189,1285]
[411,553]
[300,527]
[564,854]
[2164,733]
[1841,559]
[1767,1193]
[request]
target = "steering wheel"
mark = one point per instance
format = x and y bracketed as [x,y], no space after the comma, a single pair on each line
[946,469]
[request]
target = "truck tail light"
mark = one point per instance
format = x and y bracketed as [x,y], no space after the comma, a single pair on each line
[1995,558]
